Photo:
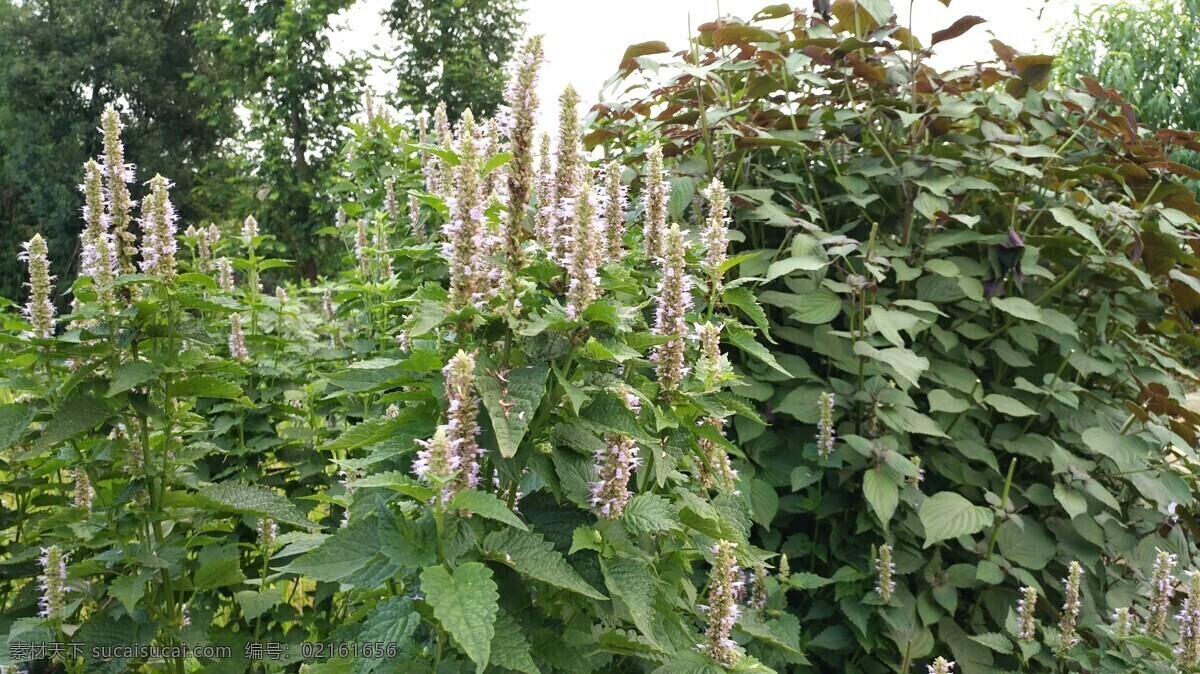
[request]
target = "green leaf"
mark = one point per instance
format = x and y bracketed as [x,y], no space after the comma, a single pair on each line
[635,585]
[393,621]
[649,514]
[1071,500]
[129,590]
[746,342]
[465,603]
[510,648]
[880,10]
[487,505]
[252,500]
[1010,406]
[530,554]
[1018,307]
[254,603]
[882,493]
[512,406]
[947,515]
[817,307]
[996,642]
[941,400]
[1029,546]
[496,162]
[14,419]
[206,386]
[340,555]
[907,365]
[131,374]
[791,264]
[743,299]
[911,421]
[1067,219]
[221,568]
[74,416]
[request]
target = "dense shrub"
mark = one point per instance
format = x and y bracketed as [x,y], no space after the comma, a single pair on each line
[529,427]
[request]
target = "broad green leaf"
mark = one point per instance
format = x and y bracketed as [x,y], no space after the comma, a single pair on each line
[1072,501]
[74,416]
[907,365]
[512,405]
[1067,219]
[947,515]
[465,603]
[649,514]
[791,264]
[252,500]
[496,162]
[340,555]
[129,590]
[764,503]
[746,342]
[530,554]
[635,585]
[254,603]
[131,374]
[1029,546]
[818,307]
[743,299]
[510,648]
[882,494]
[14,419]
[221,568]
[206,386]
[941,400]
[1010,406]
[487,505]
[393,621]
[1018,307]
[995,641]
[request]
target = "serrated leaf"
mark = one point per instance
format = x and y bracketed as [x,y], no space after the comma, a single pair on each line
[129,590]
[944,401]
[947,515]
[252,500]
[465,603]
[510,648]
[14,419]
[511,406]
[75,415]
[907,365]
[635,585]
[882,494]
[1067,219]
[206,386]
[530,554]
[340,555]
[487,505]
[649,514]
[994,641]
[746,342]
[393,621]
[743,299]
[131,374]
[817,307]
[1018,307]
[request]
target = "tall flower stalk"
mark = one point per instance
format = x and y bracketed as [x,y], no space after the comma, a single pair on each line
[715,236]
[583,257]
[614,464]
[39,310]
[615,202]
[673,301]
[1070,610]
[568,171]
[96,258]
[118,175]
[521,102]
[436,462]
[1026,622]
[654,198]
[465,233]
[885,571]
[724,589]
[53,583]
[545,221]
[1162,590]
[462,427]
[158,223]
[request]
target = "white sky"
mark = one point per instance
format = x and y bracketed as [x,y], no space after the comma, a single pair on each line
[585,40]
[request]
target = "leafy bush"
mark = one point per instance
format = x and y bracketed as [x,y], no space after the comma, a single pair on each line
[949,351]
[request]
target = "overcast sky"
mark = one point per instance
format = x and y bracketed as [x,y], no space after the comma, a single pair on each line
[585,40]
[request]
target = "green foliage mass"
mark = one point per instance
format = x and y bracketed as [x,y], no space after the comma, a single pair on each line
[947,358]
[453,52]
[1144,49]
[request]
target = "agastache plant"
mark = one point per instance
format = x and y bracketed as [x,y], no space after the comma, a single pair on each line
[885,571]
[1123,622]
[724,589]
[465,237]
[53,583]
[462,414]
[437,462]
[941,666]
[715,235]
[673,300]
[614,465]
[615,203]
[118,175]
[715,467]
[521,103]
[654,199]
[1070,610]
[568,172]
[545,220]
[39,311]
[237,339]
[583,255]
[826,435]
[1026,621]
[96,258]
[1187,652]
[1162,590]
[158,223]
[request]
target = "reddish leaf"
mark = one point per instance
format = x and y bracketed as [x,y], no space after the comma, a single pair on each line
[645,49]
[957,28]
[737,33]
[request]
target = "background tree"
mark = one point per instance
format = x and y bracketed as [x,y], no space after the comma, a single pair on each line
[1146,50]
[63,61]
[298,96]
[453,51]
